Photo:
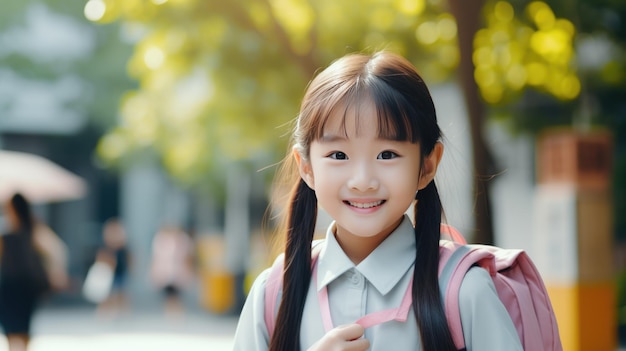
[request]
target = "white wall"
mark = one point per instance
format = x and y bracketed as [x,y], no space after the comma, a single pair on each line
[512,190]
[454,178]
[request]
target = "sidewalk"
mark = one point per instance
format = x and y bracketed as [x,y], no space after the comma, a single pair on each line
[78,328]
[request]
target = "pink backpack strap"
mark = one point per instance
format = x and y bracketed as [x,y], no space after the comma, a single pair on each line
[274,285]
[272,290]
[451,251]
[399,314]
[450,233]
[455,260]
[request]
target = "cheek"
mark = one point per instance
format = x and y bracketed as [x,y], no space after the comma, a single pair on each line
[408,187]
[407,183]
[326,179]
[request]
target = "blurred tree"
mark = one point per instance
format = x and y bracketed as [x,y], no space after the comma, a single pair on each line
[469,21]
[535,70]
[504,54]
[96,64]
[216,79]
[583,87]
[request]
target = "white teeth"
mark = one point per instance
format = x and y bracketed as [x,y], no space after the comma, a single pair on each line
[365,204]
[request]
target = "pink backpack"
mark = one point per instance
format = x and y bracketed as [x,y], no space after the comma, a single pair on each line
[517,281]
[518,284]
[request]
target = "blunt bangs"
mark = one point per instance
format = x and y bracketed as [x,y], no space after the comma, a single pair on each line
[402,102]
[396,117]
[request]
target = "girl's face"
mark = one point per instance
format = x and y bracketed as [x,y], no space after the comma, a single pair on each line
[365,183]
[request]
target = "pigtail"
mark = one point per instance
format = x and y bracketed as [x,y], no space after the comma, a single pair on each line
[427,303]
[297,275]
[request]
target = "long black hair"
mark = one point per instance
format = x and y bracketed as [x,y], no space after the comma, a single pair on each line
[406,112]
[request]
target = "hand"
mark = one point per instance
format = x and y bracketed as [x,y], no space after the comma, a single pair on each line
[347,337]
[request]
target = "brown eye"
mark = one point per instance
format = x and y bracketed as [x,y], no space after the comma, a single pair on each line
[387,155]
[338,155]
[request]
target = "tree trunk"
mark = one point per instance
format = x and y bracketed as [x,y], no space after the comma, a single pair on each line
[468,17]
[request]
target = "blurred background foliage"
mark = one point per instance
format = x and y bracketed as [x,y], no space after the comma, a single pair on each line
[216,79]
[99,65]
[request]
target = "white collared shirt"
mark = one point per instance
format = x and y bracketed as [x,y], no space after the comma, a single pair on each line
[378,283]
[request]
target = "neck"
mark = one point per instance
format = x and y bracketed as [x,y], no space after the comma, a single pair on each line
[357,248]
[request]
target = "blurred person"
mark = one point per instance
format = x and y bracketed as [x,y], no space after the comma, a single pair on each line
[172,266]
[23,278]
[116,254]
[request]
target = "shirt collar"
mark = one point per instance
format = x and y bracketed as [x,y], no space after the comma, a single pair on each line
[383,268]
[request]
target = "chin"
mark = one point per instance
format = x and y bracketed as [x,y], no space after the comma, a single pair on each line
[368,232]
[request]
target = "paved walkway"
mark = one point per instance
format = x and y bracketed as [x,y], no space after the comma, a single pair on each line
[78,328]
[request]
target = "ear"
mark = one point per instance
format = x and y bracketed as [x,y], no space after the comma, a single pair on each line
[304,167]
[429,168]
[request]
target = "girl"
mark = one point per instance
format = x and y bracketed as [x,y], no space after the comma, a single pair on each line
[367,146]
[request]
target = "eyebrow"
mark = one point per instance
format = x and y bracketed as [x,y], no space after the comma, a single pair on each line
[329,138]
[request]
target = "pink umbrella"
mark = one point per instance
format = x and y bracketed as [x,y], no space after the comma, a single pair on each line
[38,179]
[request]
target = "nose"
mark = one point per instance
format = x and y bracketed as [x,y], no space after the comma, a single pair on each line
[363,177]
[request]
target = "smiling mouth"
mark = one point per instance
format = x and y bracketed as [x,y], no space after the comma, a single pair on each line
[365,204]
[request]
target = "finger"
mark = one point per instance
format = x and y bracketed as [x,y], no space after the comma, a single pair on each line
[360,344]
[350,331]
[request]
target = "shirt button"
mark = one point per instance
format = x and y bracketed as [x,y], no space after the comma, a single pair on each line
[355,279]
